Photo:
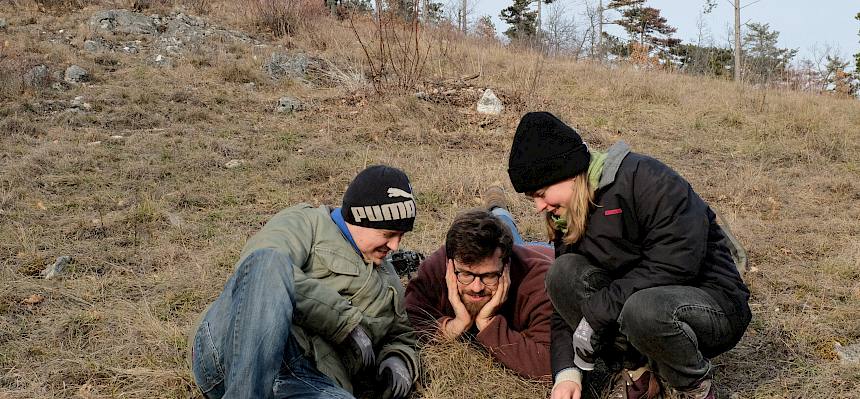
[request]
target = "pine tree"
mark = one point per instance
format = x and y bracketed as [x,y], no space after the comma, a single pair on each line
[644,25]
[704,60]
[839,81]
[522,19]
[764,60]
[857,56]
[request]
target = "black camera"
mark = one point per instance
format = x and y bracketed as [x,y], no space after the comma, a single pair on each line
[406,262]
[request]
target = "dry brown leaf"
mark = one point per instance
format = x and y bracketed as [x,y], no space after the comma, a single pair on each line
[33,299]
[41,206]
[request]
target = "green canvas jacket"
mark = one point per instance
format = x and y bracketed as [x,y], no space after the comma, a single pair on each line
[336,290]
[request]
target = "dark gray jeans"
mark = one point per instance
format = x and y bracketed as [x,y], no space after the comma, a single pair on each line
[677,328]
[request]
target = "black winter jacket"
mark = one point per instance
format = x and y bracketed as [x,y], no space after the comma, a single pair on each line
[651,229]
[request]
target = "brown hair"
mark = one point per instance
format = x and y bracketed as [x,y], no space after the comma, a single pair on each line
[475,234]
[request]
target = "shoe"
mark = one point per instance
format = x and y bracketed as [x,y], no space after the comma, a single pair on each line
[641,383]
[704,389]
[494,197]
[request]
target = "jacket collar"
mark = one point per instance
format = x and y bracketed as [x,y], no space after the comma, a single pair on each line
[337,218]
[616,153]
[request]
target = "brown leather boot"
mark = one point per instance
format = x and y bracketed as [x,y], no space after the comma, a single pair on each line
[641,383]
[494,197]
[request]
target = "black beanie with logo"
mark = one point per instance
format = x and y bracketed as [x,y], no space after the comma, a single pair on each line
[380,197]
[545,151]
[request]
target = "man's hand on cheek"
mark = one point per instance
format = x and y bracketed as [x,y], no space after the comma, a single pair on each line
[491,308]
[462,321]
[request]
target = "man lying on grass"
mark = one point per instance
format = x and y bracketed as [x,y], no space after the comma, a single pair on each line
[481,286]
[312,304]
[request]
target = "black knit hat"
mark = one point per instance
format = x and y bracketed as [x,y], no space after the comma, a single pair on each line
[545,151]
[380,197]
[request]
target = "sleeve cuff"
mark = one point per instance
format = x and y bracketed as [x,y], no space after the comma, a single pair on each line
[568,374]
[442,322]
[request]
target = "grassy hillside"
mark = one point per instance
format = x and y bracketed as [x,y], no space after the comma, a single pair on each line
[133,186]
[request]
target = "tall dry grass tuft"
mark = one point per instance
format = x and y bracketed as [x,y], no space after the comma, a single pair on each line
[458,370]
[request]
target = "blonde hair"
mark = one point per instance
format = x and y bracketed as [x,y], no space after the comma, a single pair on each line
[576,212]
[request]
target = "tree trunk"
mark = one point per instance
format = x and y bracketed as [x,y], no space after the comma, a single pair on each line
[737,40]
[538,31]
[600,31]
[463,17]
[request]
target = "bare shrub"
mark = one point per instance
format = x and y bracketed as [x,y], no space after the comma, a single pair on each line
[283,17]
[397,52]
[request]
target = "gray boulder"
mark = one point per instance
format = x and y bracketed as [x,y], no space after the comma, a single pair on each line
[93,46]
[76,74]
[37,76]
[123,21]
[184,32]
[286,65]
[288,105]
[3,24]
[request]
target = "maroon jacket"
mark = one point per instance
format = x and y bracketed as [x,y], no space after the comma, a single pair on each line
[520,337]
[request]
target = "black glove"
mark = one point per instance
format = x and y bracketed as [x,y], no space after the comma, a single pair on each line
[361,343]
[398,380]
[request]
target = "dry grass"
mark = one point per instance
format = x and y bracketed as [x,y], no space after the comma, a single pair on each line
[457,370]
[154,221]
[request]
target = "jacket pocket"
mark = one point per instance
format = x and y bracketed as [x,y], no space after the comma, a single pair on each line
[336,263]
[208,372]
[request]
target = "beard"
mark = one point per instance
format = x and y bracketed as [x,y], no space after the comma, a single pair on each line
[474,307]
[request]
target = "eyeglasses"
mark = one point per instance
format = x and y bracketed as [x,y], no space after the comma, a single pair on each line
[466,278]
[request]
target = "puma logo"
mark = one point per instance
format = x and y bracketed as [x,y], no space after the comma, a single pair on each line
[396,192]
[375,213]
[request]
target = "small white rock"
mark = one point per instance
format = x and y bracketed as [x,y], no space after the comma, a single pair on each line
[57,268]
[490,104]
[175,220]
[116,137]
[234,163]
[847,354]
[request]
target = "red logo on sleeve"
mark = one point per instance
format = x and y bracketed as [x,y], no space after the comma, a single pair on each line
[610,212]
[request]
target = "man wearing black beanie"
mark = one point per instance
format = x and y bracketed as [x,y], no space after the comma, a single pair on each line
[312,304]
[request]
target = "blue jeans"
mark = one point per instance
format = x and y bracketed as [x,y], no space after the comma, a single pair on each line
[243,347]
[508,219]
[675,328]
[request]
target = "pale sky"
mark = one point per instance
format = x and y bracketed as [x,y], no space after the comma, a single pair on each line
[802,24]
